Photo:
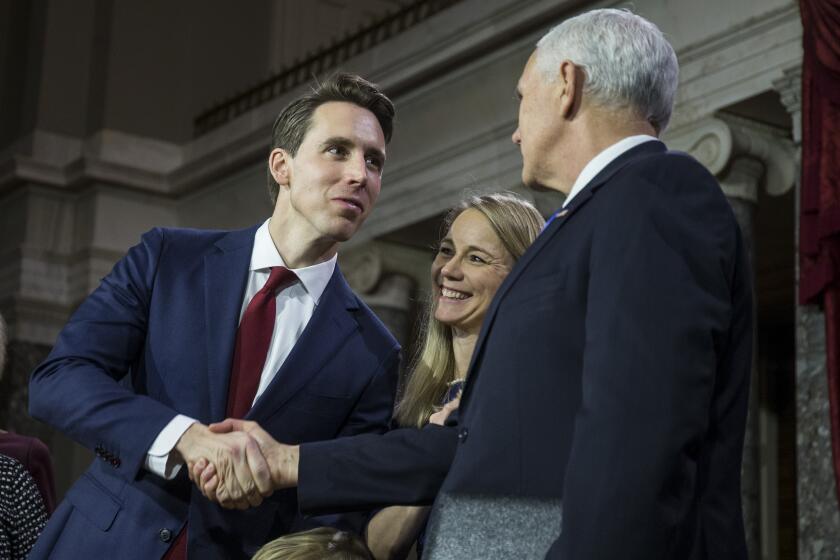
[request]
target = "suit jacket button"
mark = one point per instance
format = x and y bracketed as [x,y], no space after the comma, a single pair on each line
[115,462]
[165,535]
[462,434]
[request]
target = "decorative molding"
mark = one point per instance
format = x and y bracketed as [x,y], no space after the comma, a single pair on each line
[789,87]
[742,179]
[325,58]
[362,268]
[43,287]
[388,258]
[737,64]
[720,141]
[770,145]
[472,33]
[109,156]
[394,292]
[708,140]
[36,321]
[416,58]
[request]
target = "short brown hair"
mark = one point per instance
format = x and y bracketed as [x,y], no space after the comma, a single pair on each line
[294,120]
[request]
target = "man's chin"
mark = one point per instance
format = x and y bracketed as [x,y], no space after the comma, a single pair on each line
[532,183]
[345,231]
[538,187]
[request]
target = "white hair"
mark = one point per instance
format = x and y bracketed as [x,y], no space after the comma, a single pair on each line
[626,59]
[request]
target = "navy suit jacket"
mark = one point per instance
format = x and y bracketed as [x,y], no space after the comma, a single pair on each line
[156,338]
[611,375]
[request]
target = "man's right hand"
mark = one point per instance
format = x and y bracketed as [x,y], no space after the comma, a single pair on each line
[282,459]
[244,476]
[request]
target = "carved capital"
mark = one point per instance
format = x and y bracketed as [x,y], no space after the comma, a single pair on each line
[362,267]
[709,140]
[394,292]
[789,87]
[742,179]
[719,141]
[771,146]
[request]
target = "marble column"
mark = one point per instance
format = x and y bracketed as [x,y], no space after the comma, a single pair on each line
[819,512]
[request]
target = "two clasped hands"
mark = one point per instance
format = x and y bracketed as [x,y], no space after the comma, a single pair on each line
[236,463]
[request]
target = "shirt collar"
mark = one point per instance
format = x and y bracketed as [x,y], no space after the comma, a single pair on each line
[599,162]
[265,255]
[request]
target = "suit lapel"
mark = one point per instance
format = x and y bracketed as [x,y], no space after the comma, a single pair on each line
[628,157]
[328,329]
[225,276]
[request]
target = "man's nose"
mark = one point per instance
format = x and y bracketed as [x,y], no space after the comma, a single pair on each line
[356,170]
[516,137]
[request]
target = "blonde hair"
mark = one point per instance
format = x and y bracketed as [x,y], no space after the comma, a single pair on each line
[316,544]
[517,223]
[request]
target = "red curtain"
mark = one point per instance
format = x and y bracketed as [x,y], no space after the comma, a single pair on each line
[819,225]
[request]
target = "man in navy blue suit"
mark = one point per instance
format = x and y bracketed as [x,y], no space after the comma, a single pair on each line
[605,405]
[194,326]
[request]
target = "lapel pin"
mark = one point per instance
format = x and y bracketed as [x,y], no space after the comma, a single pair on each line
[562,212]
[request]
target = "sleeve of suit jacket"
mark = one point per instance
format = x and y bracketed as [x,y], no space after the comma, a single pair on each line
[405,466]
[371,415]
[77,389]
[668,291]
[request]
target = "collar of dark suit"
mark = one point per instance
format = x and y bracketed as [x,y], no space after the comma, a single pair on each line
[237,239]
[628,157]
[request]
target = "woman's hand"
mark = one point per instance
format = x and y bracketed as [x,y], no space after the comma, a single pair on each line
[441,415]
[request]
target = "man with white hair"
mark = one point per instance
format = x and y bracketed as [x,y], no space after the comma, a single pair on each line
[606,401]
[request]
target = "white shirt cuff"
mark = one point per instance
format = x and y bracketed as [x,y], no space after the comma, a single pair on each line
[158,460]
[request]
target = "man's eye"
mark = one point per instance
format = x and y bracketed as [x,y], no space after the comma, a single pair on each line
[374,162]
[477,259]
[337,150]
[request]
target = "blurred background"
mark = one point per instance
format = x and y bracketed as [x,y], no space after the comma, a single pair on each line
[117,116]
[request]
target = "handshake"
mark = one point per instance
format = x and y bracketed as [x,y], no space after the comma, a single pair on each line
[236,463]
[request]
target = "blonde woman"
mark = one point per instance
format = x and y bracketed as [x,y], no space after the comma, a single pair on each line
[485,236]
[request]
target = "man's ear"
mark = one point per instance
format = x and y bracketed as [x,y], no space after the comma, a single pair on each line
[279,164]
[570,79]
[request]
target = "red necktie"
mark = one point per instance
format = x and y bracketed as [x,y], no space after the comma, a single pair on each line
[253,339]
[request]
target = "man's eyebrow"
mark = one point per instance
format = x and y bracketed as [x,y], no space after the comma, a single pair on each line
[345,142]
[338,141]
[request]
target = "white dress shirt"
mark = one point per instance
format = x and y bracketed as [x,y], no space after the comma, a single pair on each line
[294,308]
[599,162]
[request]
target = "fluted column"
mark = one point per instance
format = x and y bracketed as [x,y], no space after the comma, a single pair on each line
[819,513]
